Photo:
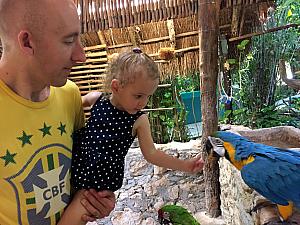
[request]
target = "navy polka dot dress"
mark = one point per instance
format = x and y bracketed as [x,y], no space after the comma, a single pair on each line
[100,147]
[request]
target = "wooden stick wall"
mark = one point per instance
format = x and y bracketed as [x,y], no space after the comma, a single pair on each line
[91,74]
[103,14]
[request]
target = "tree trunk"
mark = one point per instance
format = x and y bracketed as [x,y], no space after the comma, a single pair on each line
[208,18]
[293,83]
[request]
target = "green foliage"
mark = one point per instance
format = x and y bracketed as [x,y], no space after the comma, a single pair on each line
[256,86]
[168,125]
[296,104]
[268,116]
[242,45]
[187,83]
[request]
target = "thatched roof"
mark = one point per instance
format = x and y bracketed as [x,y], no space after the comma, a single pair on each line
[104,14]
[152,29]
[237,17]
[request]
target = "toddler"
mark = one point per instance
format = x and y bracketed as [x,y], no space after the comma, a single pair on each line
[100,147]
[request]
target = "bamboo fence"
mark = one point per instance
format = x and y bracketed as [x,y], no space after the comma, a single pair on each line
[90,75]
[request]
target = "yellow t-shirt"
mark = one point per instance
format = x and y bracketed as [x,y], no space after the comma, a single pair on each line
[35,154]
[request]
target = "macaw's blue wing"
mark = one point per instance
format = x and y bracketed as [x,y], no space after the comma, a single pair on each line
[277,178]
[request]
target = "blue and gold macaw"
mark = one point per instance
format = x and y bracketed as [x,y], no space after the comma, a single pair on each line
[272,172]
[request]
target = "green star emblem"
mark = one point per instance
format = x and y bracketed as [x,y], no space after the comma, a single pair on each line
[46,130]
[62,128]
[8,158]
[25,139]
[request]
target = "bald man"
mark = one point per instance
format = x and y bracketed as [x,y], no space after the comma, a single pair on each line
[40,110]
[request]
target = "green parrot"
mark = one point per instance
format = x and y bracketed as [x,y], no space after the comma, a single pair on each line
[175,215]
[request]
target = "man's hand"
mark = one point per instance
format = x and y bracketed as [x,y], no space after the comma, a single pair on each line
[98,204]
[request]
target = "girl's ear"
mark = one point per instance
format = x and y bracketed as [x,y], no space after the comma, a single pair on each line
[115,85]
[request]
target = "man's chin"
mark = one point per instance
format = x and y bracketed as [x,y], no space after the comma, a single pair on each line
[59,83]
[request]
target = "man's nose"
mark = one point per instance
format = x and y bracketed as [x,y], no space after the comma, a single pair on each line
[78,53]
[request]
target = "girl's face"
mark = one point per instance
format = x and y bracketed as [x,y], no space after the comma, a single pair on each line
[133,96]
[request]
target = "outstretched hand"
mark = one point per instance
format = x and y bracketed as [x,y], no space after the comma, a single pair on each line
[196,164]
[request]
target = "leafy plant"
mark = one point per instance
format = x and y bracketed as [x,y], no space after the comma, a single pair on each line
[168,125]
[255,82]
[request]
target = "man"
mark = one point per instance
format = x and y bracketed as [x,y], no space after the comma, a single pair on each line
[40,110]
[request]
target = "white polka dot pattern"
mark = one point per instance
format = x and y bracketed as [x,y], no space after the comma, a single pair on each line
[99,149]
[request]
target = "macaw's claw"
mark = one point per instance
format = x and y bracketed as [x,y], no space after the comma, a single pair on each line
[261,205]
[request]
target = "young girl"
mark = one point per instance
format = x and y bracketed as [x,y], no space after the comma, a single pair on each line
[100,147]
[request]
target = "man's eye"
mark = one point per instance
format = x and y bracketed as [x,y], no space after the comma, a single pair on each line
[69,40]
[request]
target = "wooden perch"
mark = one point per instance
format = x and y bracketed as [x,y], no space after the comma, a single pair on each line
[293,83]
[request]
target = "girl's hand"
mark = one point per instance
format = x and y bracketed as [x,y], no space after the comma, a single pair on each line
[195,165]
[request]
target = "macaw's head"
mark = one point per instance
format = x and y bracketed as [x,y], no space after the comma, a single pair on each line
[223,143]
[227,136]
[233,146]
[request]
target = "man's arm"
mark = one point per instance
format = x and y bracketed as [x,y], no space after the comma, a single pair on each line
[90,98]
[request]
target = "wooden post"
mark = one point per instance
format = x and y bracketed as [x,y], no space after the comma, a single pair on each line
[171,30]
[81,16]
[208,18]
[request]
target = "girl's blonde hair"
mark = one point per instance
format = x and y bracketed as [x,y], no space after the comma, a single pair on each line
[128,65]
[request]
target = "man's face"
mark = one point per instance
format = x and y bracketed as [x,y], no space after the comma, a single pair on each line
[58,48]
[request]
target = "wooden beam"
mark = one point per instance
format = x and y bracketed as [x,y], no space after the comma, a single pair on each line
[120,45]
[134,36]
[171,30]
[293,83]
[157,109]
[208,20]
[94,47]
[101,37]
[263,32]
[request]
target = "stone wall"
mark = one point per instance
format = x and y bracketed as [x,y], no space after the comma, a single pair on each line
[237,199]
[146,188]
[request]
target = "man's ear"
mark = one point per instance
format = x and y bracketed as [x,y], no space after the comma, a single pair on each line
[25,42]
[115,85]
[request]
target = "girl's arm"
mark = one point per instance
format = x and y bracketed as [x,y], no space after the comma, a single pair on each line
[159,158]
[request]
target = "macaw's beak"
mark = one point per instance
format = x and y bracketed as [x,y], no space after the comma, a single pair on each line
[208,146]
[215,146]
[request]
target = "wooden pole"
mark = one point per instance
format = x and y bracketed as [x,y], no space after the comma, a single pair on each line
[208,17]
[263,32]
[81,16]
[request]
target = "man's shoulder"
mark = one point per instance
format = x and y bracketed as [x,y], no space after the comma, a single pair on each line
[71,85]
